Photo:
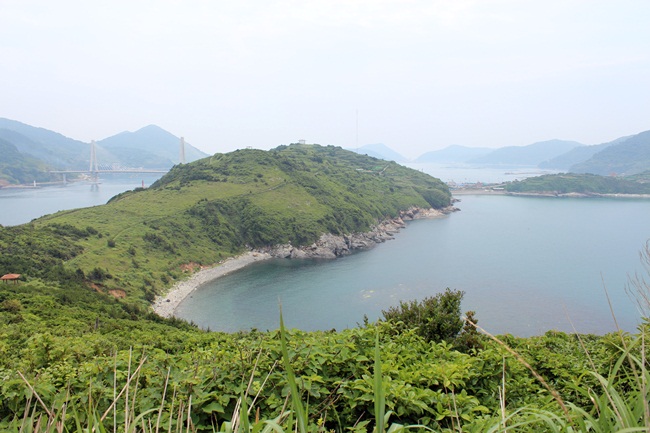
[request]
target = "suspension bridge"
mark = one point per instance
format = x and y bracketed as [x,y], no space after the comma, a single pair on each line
[95,169]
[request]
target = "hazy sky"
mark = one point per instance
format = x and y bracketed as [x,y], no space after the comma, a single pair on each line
[420,74]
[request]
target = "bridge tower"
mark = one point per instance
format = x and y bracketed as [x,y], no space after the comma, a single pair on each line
[93,169]
[182,151]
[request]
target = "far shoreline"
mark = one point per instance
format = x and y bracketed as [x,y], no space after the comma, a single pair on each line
[501,192]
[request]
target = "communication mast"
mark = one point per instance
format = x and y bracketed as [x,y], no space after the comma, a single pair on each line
[182,151]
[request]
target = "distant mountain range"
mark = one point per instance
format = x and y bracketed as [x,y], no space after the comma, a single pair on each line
[531,155]
[381,151]
[30,152]
[16,167]
[37,150]
[52,148]
[454,154]
[624,156]
[150,146]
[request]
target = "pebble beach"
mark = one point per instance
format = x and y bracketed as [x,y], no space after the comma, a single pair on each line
[165,305]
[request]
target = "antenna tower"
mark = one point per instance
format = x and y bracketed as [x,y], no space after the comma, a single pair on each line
[182,151]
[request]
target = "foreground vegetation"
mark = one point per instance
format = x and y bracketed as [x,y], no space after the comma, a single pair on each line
[80,349]
[134,373]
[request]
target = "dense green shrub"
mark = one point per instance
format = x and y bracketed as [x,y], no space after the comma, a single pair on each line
[435,318]
[98,274]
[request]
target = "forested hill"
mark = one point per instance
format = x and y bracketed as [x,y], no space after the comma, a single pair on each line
[205,211]
[587,184]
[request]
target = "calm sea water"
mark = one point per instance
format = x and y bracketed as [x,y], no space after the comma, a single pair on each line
[19,206]
[526,265]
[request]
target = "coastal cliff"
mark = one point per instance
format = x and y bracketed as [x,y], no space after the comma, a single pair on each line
[330,246]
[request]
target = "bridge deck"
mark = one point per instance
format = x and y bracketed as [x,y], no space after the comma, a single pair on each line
[144,170]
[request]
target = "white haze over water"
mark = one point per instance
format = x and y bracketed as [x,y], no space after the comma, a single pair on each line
[417,75]
[468,174]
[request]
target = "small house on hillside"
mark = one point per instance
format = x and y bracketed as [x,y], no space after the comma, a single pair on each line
[10,277]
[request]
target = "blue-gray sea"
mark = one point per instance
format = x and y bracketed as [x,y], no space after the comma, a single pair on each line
[526,265]
[21,205]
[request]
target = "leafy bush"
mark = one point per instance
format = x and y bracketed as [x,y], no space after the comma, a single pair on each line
[435,318]
[11,305]
[98,274]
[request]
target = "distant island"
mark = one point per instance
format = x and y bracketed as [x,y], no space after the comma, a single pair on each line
[567,184]
[582,184]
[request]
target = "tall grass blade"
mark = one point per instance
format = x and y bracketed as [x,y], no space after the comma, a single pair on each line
[301,415]
[380,397]
[244,421]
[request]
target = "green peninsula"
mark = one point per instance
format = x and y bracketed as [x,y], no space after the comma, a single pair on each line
[218,207]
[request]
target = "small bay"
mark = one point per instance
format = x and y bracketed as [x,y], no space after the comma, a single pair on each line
[526,265]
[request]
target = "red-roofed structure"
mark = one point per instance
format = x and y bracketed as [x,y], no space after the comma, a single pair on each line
[10,277]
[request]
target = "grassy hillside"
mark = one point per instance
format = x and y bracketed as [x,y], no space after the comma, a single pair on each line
[217,207]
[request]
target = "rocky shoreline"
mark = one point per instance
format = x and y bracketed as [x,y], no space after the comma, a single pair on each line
[329,246]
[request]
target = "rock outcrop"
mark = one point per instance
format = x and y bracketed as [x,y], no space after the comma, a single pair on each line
[330,246]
